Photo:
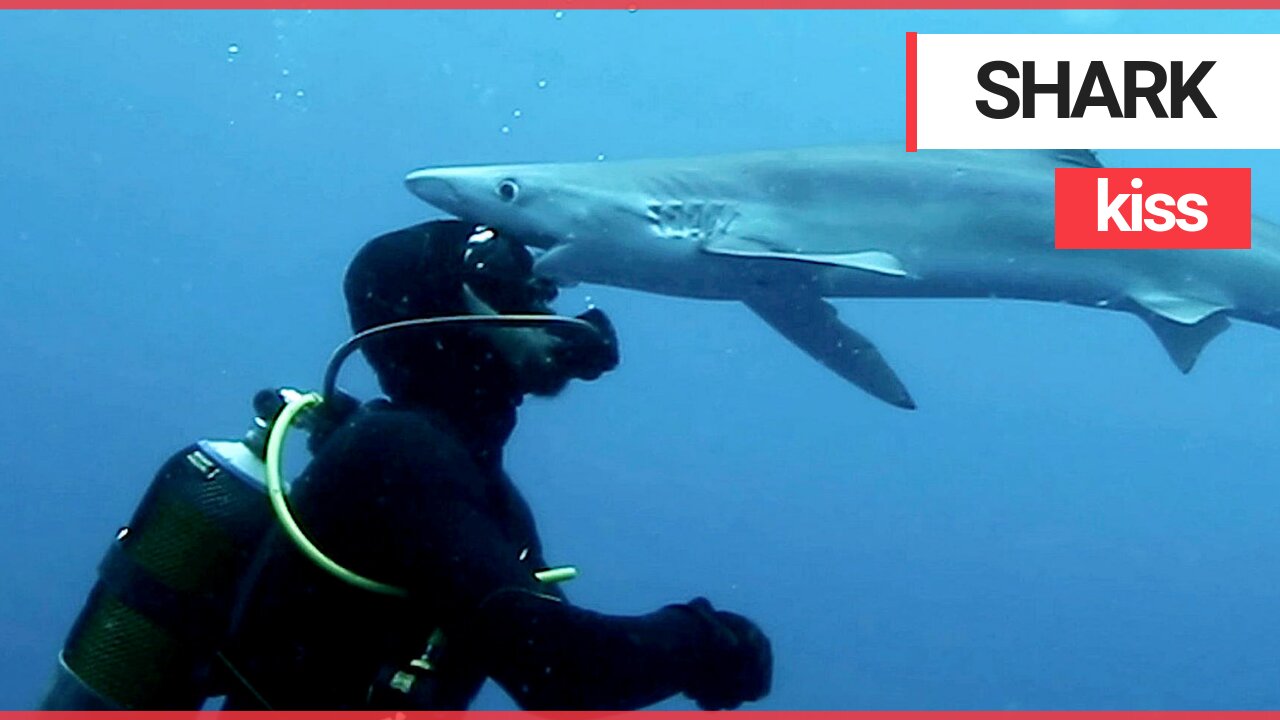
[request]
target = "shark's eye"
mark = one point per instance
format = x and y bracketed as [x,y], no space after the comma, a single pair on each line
[507,190]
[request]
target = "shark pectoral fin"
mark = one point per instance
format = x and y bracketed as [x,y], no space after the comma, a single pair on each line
[813,325]
[875,261]
[555,265]
[1180,309]
[1185,342]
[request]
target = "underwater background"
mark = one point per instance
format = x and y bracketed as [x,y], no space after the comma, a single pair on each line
[1066,522]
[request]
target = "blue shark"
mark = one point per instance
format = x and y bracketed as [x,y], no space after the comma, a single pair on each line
[785,231]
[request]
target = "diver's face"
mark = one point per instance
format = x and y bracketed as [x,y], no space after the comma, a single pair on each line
[499,280]
[529,352]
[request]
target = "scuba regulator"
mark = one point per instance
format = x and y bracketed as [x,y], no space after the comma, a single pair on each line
[151,632]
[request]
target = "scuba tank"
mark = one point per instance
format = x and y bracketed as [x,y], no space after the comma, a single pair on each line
[149,634]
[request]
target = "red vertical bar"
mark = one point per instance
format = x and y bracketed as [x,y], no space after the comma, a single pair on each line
[911,92]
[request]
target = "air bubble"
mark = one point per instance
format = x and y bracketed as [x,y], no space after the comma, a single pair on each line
[506,129]
[516,113]
[278,95]
[559,14]
[233,48]
[285,72]
[542,84]
[600,157]
[300,94]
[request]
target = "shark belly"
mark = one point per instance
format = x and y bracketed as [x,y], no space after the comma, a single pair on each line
[672,269]
[1093,282]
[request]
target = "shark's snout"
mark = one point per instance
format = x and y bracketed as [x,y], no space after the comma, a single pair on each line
[435,187]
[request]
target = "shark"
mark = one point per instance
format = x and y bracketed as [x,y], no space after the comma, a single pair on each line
[786,231]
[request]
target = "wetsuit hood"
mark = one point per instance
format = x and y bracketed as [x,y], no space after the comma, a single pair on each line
[419,272]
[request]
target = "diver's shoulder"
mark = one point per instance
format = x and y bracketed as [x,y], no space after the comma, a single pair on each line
[380,428]
[380,420]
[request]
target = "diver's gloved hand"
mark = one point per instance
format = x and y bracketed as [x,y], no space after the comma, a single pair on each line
[736,665]
[587,356]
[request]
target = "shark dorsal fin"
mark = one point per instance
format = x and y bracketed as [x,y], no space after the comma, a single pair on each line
[1079,158]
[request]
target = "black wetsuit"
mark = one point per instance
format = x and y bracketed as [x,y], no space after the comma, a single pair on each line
[413,494]
[397,495]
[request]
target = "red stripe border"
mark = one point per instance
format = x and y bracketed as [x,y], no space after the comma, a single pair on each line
[911,92]
[641,5]
[645,715]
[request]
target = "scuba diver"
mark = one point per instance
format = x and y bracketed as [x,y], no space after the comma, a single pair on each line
[404,568]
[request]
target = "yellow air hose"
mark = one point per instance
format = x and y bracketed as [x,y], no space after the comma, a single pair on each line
[275,490]
[279,503]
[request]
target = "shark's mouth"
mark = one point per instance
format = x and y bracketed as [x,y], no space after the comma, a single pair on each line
[538,243]
[539,246]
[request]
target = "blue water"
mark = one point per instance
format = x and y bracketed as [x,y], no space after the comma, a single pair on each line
[1067,522]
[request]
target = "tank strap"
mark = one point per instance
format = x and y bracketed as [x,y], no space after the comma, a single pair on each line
[243,681]
[182,613]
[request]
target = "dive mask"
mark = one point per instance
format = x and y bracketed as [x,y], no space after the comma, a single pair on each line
[500,272]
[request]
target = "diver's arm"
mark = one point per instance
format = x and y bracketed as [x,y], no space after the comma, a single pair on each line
[545,652]
[470,562]
[549,655]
